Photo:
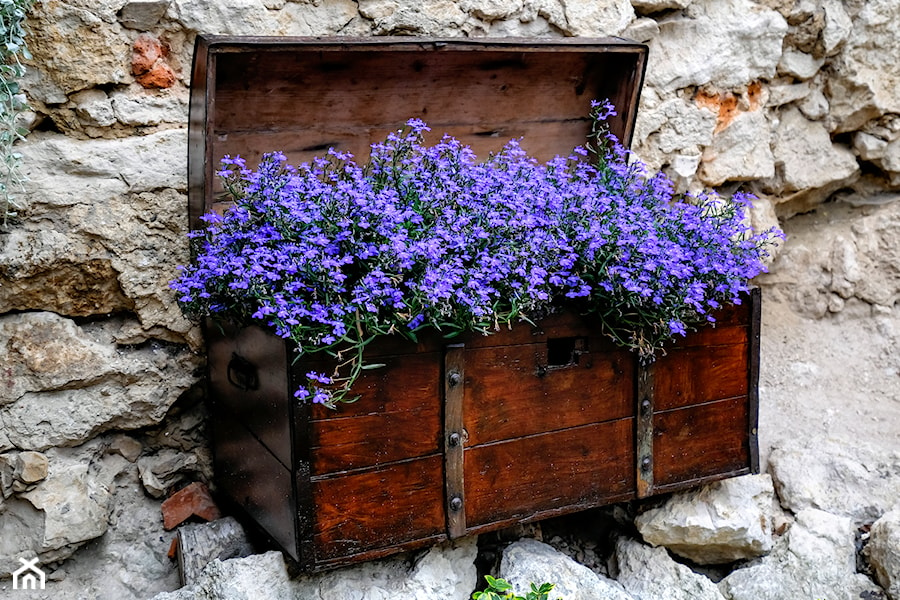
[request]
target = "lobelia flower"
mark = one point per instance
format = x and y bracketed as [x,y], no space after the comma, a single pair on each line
[332,254]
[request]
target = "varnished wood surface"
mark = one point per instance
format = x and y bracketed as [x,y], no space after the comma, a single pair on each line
[580,466]
[398,416]
[700,441]
[700,374]
[511,392]
[379,508]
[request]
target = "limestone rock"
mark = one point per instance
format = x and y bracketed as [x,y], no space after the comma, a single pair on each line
[651,574]
[865,79]
[853,482]
[810,160]
[64,387]
[97,59]
[739,152]
[160,472]
[732,42]
[590,18]
[94,108]
[641,30]
[444,571]
[112,236]
[529,561]
[883,552]
[139,107]
[255,577]
[670,128]
[59,514]
[815,559]
[798,64]
[722,522]
[645,7]
[142,14]
[814,106]
[229,17]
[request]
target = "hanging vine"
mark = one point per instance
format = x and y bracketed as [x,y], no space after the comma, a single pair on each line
[12,102]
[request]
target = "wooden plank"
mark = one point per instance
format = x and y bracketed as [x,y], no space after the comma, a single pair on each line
[515,479]
[379,508]
[511,392]
[258,94]
[454,440]
[264,91]
[247,370]
[248,474]
[645,397]
[753,378]
[701,374]
[397,417]
[700,441]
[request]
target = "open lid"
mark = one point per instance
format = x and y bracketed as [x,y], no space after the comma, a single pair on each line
[300,96]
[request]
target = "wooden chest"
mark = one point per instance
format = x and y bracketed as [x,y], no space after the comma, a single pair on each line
[457,437]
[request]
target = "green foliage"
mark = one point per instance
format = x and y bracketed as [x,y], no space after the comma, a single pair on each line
[12,101]
[500,589]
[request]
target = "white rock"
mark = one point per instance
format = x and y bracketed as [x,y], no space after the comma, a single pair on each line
[142,14]
[814,106]
[529,561]
[891,158]
[838,26]
[883,552]
[137,106]
[799,64]
[591,18]
[426,18]
[731,43]
[809,159]
[651,574]
[143,163]
[815,559]
[868,146]
[68,388]
[62,512]
[256,577]
[224,17]
[866,75]
[652,6]
[641,30]
[94,108]
[781,94]
[739,152]
[719,523]
[444,571]
[854,482]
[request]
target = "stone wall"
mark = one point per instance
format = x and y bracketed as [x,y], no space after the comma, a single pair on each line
[101,411]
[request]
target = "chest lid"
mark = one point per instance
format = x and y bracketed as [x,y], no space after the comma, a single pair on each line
[300,96]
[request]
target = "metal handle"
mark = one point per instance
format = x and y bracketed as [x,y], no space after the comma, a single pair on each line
[242,373]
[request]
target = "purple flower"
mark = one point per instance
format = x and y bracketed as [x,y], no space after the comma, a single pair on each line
[332,253]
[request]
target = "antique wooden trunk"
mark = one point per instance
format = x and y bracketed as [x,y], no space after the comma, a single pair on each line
[451,437]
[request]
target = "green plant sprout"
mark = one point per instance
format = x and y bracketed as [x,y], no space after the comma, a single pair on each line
[12,102]
[500,589]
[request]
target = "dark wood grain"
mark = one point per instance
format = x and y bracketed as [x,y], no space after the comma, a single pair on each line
[582,466]
[700,441]
[701,374]
[379,508]
[397,417]
[511,392]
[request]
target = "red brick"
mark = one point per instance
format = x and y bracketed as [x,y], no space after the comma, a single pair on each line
[191,501]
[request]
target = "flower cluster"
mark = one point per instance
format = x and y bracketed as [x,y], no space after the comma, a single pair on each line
[333,253]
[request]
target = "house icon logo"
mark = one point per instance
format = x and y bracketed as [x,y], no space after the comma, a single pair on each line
[28,576]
